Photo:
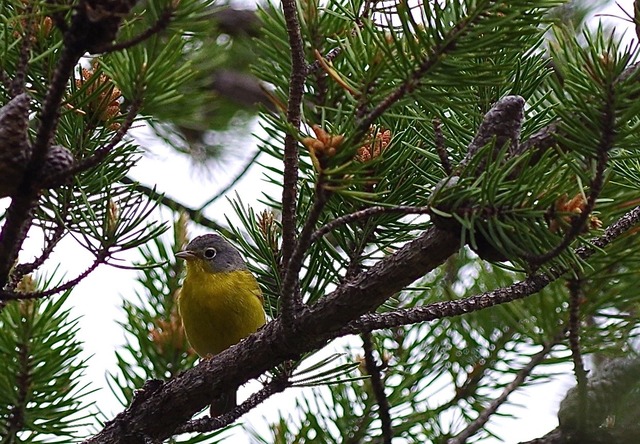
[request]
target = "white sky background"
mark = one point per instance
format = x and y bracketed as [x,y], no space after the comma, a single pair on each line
[97,299]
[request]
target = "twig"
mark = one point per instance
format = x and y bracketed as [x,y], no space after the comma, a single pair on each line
[519,290]
[160,24]
[373,369]
[328,57]
[290,279]
[7,295]
[365,214]
[101,153]
[486,414]
[575,296]
[231,184]
[438,310]
[290,179]
[209,424]
[195,215]
[597,183]
[22,269]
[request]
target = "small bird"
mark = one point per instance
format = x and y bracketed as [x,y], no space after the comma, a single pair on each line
[220,302]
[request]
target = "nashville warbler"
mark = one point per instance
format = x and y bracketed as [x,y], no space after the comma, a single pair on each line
[220,302]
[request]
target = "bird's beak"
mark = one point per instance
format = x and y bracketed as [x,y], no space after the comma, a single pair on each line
[186,255]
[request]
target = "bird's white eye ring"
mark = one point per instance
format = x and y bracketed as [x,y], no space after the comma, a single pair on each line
[210,253]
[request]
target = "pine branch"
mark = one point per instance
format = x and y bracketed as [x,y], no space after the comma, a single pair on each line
[42,374]
[9,295]
[290,176]
[605,145]
[375,377]
[519,290]
[160,25]
[84,34]
[365,214]
[19,213]
[274,344]
[231,184]
[486,414]
[193,390]
[23,381]
[359,293]
[195,215]
[432,59]
[101,153]
[575,299]
[209,424]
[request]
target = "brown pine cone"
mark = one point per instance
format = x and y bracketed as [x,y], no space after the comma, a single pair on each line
[15,150]
[58,161]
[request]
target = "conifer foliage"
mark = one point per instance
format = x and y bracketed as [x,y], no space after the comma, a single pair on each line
[458,195]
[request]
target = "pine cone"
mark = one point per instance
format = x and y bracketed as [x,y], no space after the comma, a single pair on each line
[15,150]
[611,402]
[57,162]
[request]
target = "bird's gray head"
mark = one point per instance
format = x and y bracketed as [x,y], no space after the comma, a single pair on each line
[214,253]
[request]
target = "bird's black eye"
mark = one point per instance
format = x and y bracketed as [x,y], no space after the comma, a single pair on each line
[210,253]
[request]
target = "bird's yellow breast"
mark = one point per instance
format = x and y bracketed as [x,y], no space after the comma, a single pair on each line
[219,309]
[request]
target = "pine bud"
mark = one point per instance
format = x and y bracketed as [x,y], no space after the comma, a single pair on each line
[15,150]
[113,217]
[180,231]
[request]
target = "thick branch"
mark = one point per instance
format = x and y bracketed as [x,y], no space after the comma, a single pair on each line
[157,416]
[172,404]
[519,290]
